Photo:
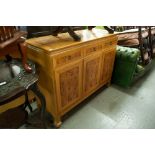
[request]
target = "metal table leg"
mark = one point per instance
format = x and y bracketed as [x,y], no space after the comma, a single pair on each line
[36,90]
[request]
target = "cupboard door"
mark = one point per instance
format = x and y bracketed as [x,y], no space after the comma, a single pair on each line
[68,84]
[108,58]
[92,66]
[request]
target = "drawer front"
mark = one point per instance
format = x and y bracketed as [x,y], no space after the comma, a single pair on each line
[92,48]
[100,45]
[67,57]
[109,42]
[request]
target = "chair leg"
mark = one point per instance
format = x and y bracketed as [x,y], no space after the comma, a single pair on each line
[110,30]
[22,48]
[36,90]
[73,34]
[58,30]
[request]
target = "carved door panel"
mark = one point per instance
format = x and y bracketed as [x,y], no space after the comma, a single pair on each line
[92,66]
[107,65]
[68,84]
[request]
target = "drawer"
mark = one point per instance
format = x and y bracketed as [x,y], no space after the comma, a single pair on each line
[92,48]
[67,57]
[109,42]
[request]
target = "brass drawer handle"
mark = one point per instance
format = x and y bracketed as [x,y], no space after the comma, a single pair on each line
[69,57]
[94,49]
[110,43]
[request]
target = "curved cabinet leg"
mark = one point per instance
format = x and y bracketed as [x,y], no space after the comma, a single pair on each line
[36,90]
[57,122]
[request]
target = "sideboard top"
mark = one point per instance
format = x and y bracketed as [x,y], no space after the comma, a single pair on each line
[51,43]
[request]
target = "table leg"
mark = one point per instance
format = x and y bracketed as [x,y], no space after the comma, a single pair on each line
[36,90]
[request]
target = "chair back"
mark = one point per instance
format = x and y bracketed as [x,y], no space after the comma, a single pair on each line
[6,33]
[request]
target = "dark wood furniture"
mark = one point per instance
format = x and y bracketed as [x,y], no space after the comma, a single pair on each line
[15,82]
[11,38]
[36,31]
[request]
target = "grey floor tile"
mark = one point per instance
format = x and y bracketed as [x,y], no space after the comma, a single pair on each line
[88,118]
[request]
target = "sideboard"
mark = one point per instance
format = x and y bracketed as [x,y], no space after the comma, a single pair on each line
[70,71]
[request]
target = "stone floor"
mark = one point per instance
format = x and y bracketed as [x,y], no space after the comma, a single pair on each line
[115,107]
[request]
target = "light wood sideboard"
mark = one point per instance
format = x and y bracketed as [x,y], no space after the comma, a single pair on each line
[71,71]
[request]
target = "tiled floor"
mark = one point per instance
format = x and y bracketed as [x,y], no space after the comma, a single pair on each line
[115,107]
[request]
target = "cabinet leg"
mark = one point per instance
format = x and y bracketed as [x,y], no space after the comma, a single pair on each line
[57,122]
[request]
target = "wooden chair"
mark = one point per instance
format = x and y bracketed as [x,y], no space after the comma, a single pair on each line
[11,38]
